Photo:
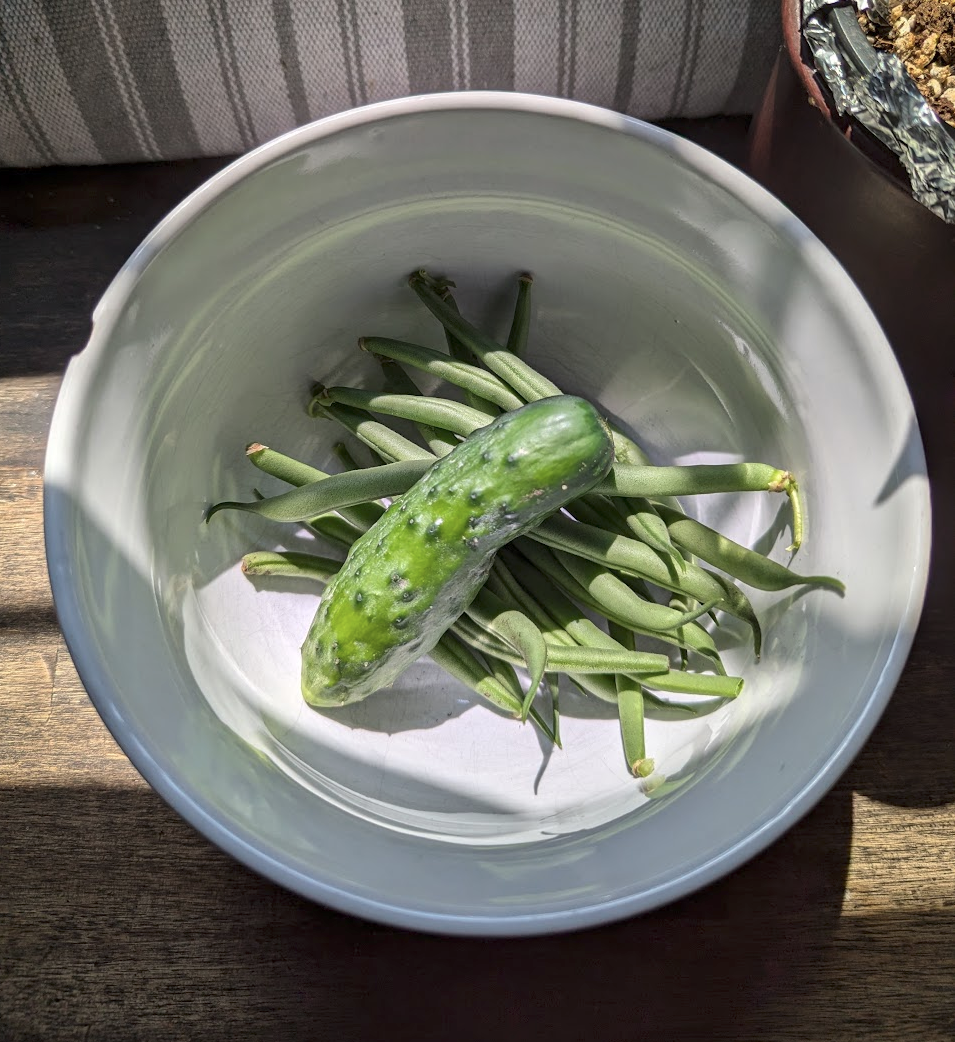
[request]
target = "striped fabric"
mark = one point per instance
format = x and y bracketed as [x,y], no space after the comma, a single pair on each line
[107,81]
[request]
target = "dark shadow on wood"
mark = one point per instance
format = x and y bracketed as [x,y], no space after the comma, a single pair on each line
[114,913]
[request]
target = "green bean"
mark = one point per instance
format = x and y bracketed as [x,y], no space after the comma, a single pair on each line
[333,493]
[454,658]
[632,557]
[388,444]
[522,378]
[552,683]
[519,376]
[462,374]
[443,287]
[630,711]
[644,521]
[331,527]
[290,564]
[600,512]
[440,442]
[439,412]
[742,563]
[283,467]
[528,595]
[574,658]
[516,629]
[585,632]
[487,605]
[678,603]
[460,352]
[521,322]
[626,449]
[502,582]
[627,480]
[681,682]
[690,635]
[607,589]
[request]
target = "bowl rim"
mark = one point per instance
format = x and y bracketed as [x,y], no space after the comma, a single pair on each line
[245,848]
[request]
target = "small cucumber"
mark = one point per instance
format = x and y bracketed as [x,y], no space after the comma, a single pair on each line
[412,574]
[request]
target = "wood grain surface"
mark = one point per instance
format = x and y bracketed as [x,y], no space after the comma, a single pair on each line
[119,922]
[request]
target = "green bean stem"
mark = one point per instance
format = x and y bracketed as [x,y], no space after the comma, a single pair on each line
[627,480]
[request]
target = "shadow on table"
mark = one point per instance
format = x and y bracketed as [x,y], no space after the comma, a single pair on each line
[116,915]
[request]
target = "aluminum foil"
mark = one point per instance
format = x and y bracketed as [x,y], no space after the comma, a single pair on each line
[885,100]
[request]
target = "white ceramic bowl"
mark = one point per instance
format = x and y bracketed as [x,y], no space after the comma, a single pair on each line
[669,288]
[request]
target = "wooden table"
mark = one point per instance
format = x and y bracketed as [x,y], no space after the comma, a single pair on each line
[119,922]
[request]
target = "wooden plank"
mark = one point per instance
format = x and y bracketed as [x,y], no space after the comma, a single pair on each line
[26,408]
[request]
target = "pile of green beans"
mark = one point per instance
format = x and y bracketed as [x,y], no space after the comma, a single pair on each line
[625,552]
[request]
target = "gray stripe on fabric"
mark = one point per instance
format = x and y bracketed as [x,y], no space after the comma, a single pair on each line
[381,44]
[145,39]
[762,30]
[258,68]
[428,45]
[199,69]
[561,46]
[572,20]
[85,62]
[693,58]
[596,50]
[342,6]
[355,41]
[319,43]
[291,63]
[119,62]
[44,86]
[536,45]
[230,74]
[491,44]
[684,70]
[20,106]
[627,54]
[460,62]
[17,147]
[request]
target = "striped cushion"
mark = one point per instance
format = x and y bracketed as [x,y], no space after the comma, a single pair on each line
[107,81]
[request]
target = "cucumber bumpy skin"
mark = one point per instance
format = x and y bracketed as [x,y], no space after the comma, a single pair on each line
[410,576]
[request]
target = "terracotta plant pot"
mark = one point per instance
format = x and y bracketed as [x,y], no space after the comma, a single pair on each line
[855,196]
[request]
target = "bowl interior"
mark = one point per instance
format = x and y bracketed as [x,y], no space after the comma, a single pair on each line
[669,290]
